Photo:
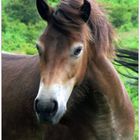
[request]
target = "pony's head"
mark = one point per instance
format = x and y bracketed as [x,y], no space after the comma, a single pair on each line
[77,33]
[63,56]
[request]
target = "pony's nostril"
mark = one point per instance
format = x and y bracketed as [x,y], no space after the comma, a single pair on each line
[55,106]
[51,107]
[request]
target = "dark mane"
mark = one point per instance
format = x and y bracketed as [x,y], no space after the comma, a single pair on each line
[99,31]
[102,31]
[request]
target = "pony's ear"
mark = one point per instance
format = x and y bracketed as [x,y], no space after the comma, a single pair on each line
[44,10]
[85,11]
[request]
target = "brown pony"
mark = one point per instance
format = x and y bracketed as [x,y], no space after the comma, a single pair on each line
[76,92]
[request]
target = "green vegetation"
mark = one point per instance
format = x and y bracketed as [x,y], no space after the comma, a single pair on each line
[21,26]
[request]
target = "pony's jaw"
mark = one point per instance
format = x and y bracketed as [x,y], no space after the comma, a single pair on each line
[59,93]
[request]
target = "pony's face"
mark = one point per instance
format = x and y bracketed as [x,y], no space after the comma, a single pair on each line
[63,59]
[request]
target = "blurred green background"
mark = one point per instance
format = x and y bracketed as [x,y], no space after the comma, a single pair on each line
[21,26]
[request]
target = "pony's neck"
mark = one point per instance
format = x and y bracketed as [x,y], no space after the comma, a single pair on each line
[89,114]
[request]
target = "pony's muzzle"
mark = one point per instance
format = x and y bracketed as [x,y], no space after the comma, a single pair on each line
[51,102]
[46,109]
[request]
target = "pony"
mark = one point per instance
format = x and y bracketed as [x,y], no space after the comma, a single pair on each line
[71,87]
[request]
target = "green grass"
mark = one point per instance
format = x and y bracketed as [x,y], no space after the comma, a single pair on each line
[128,39]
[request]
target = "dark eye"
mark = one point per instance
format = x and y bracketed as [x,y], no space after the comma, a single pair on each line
[38,49]
[77,51]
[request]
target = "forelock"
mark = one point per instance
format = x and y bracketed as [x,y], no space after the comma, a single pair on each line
[67,16]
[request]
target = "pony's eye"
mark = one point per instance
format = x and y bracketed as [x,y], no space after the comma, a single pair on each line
[77,51]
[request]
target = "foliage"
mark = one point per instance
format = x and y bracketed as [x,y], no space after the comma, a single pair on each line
[24,10]
[21,26]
